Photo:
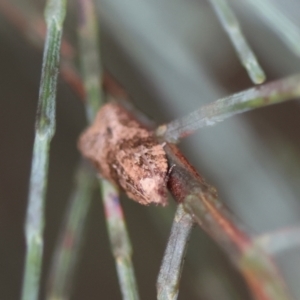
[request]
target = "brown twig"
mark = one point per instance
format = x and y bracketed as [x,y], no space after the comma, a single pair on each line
[201,200]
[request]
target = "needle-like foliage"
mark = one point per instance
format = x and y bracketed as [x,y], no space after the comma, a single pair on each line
[222,109]
[171,268]
[92,75]
[66,255]
[231,26]
[45,128]
[286,29]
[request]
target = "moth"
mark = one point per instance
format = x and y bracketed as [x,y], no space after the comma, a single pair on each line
[126,153]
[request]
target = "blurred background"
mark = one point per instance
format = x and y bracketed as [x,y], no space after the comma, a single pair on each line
[171,57]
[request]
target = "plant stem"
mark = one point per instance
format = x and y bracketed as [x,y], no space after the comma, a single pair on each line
[243,50]
[119,240]
[91,69]
[71,237]
[45,128]
[201,201]
[288,31]
[271,93]
[90,62]
[171,268]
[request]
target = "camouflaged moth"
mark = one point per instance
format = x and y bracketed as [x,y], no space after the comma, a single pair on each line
[125,152]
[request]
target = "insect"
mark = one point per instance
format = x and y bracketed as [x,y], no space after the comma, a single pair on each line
[125,152]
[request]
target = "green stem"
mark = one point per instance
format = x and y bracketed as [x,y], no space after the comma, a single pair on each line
[171,268]
[286,29]
[45,128]
[243,50]
[71,237]
[92,72]
[218,111]
[90,61]
[119,240]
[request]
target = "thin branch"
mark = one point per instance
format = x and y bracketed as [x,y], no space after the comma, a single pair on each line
[286,30]
[218,111]
[243,50]
[91,68]
[202,202]
[119,240]
[71,237]
[45,128]
[171,268]
[92,71]
[221,287]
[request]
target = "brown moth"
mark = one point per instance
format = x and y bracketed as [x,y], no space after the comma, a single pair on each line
[126,153]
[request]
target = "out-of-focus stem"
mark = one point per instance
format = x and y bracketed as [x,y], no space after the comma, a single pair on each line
[201,201]
[45,128]
[271,93]
[119,240]
[71,237]
[92,74]
[171,268]
[243,50]
[88,33]
[280,23]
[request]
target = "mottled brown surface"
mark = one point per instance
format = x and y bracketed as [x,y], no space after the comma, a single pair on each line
[126,153]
